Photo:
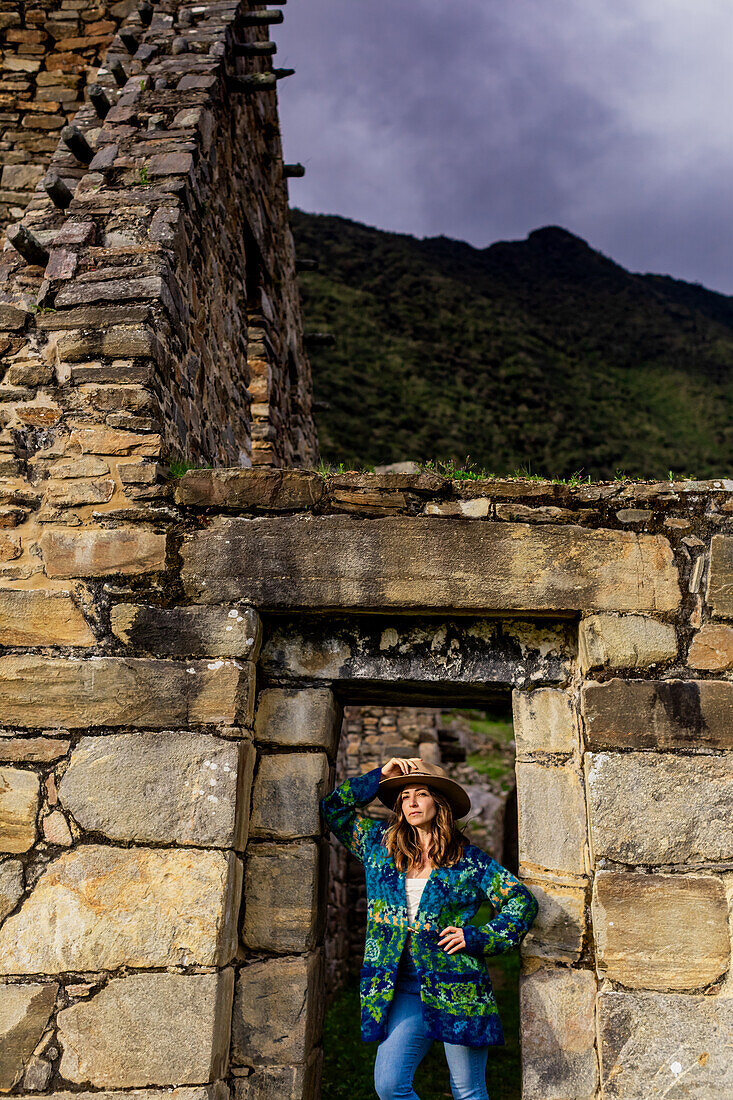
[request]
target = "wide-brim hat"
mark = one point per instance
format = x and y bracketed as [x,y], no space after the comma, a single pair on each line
[432,775]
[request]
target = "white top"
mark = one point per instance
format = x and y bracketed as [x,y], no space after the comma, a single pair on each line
[413,889]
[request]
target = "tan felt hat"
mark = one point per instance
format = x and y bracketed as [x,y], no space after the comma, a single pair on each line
[432,775]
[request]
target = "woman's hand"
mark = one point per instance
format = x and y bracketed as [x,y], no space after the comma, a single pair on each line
[400,765]
[452,939]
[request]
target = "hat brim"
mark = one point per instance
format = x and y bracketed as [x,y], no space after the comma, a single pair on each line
[459,800]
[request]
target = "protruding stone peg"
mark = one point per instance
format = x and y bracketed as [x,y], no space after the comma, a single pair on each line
[306,265]
[319,339]
[77,144]
[56,189]
[30,247]
[260,18]
[145,11]
[281,73]
[255,82]
[255,49]
[118,72]
[130,41]
[98,96]
[293,171]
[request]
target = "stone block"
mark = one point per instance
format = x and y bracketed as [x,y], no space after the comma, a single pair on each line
[278,1010]
[544,721]
[298,718]
[71,693]
[284,886]
[91,553]
[100,440]
[282,1082]
[149,1029]
[558,1035]
[32,750]
[41,617]
[216,1091]
[271,490]
[138,907]
[24,1013]
[624,641]
[659,1045]
[205,631]
[719,593]
[332,562]
[286,795]
[183,788]
[712,648]
[362,649]
[558,930]
[11,886]
[551,811]
[19,800]
[660,808]
[665,932]
[658,714]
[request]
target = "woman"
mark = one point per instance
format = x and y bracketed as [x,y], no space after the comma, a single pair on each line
[424,975]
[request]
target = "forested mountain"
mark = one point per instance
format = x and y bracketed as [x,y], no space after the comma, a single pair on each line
[540,354]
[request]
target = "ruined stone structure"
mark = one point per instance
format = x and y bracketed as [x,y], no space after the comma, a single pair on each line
[176,654]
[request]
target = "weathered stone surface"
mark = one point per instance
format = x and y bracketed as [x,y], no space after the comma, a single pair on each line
[273,490]
[284,896]
[189,631]
[288,788]
[186,788]
[65,692]
[332,562]
[666,932]
[719,592]
[24,1012]
[11,885]
[375,652]
[111,907]
[659,1045]
[19,795]
[551,809]
[712,648]
[558,930]
[658,714]
[149,1029]
[33,750]
[298,718]
[624,641]
[56,829]
[41,617]
[216,1091]
[558,1035]
[278,1010]
[281,1082]
[660,808]
[544,721]
[90,553]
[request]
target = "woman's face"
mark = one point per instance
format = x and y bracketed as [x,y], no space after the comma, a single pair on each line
[418,805]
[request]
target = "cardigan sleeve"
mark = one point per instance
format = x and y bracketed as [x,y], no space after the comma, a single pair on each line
[515,910]
[339,810]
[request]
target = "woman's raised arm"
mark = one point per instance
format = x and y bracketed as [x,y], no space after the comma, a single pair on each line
[339,810]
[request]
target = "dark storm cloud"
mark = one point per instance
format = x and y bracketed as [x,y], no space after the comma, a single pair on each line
[482,119]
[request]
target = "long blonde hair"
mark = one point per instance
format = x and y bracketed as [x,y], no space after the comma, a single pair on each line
[446,841]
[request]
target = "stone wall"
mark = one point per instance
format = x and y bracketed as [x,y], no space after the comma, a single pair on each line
[147,777]
[51,51]
[160,320]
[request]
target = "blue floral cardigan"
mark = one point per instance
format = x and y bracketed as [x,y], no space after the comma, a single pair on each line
[458,1003]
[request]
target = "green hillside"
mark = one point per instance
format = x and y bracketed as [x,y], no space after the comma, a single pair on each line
[539,354]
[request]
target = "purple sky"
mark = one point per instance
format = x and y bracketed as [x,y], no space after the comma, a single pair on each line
[484,119]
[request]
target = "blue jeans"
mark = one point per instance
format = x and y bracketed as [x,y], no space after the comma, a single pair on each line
[405,1046]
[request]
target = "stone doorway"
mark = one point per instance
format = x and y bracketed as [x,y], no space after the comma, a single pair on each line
[310,669]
